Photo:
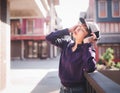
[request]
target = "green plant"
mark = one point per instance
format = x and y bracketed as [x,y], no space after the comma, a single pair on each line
[117,65]
[108,57]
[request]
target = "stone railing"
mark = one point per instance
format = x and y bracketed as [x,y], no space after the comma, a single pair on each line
[99,83]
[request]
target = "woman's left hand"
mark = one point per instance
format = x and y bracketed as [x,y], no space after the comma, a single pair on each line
[90,39]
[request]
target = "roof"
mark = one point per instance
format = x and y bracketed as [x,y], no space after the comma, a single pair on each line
[109,38]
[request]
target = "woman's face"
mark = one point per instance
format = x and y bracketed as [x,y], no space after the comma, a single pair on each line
[80,32]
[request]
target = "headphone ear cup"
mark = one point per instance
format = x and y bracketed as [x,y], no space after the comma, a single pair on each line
[97,34]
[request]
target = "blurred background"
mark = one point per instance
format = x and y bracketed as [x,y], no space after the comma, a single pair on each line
[24,25]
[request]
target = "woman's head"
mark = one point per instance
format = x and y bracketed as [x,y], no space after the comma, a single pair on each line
[80,33]
[91,27]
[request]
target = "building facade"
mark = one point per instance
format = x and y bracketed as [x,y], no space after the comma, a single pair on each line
[28,38]
[106,13]
[28,32]
[108,19]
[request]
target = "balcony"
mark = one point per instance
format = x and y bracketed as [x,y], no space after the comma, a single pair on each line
[28,37]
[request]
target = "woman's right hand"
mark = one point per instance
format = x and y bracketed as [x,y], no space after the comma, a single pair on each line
[72,29]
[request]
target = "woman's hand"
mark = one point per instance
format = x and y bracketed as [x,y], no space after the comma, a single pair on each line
[90,39]
[72,29]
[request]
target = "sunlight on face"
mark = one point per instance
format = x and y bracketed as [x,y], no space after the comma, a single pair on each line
[79,33]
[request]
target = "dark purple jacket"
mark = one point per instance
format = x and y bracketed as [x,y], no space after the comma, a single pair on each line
[72,64]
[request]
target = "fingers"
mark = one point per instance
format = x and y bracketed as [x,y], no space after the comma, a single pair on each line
[72,29]
[93,35]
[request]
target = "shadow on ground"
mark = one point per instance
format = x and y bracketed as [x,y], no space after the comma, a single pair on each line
[49,84]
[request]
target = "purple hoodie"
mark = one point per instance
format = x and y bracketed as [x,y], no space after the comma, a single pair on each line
[72,64]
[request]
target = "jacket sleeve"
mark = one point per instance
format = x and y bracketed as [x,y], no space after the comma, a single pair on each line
[57,38]
[89,60]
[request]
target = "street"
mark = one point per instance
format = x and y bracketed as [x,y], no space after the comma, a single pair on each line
[34,76]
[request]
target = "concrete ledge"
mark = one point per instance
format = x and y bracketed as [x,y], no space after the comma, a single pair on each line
[112,74]
[102,84]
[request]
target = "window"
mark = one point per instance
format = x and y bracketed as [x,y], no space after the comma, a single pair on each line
[30,26]
[32,49]
[15,26]
[116,8]
[102,8]
[116,52]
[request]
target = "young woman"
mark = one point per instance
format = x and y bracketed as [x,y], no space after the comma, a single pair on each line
[77,56]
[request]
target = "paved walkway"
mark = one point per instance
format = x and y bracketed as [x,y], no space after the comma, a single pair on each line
[34,76]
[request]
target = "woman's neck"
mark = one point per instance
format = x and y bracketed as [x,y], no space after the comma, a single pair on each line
[78,42]
[75,46]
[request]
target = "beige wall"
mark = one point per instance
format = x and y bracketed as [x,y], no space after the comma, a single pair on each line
[2,57]
[4,43]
